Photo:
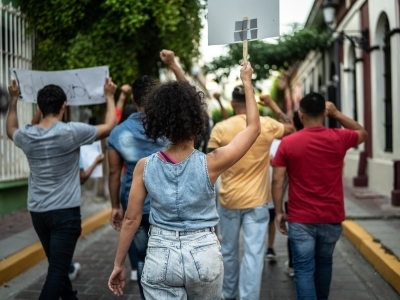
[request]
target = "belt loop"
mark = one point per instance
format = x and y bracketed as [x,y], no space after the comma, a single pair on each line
[149,232]
[212,229]
[177,234]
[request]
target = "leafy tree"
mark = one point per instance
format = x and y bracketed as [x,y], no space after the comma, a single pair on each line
[125,35]
[266,57]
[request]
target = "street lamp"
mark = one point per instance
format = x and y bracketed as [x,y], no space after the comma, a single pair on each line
[329,11]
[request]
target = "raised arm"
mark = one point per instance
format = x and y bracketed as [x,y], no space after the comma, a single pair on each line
[12,117]
[346,122]
[223,158]
[168,58]
[266,100]
[224,112]
[104,130]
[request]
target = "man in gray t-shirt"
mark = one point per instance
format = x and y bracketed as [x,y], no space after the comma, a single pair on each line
[54,197]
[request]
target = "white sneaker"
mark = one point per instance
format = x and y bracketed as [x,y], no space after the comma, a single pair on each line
[74,274]
[134,275]
[288,270]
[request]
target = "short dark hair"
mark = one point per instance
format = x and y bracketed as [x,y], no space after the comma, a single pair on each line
[175,110]
[312,105]
[50,99]
[127,111]
[296,121]
[238,94]
[140,87]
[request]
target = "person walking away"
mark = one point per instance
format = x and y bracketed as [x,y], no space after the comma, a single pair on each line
[183,259]
[313,159]
[243,195]
[54,195]
[126,146]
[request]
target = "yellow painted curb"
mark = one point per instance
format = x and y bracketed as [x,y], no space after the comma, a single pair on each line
[22,260]
[385,263]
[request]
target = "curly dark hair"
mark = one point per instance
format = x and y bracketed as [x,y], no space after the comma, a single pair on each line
[175,110]
[50,99]
[140,87]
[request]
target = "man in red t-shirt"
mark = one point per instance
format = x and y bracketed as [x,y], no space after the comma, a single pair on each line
[313,161]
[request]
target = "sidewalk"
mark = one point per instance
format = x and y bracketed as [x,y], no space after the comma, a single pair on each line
[372,227]
[353,278]
[20,247]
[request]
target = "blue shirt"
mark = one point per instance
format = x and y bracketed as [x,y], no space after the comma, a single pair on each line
[53,157]
[132,145]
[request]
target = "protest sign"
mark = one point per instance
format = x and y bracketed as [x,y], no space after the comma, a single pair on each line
[89,153]
[82,86]
[232,21]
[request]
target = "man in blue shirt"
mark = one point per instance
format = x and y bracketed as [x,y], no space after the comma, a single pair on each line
[127,145]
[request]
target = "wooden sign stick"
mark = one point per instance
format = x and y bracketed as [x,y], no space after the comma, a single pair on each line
[245,42]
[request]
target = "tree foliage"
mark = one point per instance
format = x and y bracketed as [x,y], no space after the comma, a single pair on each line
[125,35]
[266,57]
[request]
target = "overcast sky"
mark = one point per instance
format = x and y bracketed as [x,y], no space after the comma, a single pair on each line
[291,11]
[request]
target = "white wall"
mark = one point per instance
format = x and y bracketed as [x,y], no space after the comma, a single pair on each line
[381,178]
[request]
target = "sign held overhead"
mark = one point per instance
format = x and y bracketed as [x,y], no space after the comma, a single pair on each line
[226,24]
[82,86]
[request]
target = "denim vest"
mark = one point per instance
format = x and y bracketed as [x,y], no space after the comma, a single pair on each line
[181,195]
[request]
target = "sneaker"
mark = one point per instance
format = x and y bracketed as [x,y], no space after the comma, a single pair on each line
[288,270]
[74,274]
[134,275]
[271,256]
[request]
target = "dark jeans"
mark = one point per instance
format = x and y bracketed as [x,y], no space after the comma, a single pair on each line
[58,231]
[312,250]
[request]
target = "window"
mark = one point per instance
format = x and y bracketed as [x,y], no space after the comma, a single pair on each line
[388,89]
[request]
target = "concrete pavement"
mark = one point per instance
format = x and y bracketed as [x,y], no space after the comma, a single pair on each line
[372,226]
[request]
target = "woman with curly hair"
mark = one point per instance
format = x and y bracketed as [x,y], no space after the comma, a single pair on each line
[183,257]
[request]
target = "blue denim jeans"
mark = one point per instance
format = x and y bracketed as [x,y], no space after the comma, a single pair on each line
[183,265]
[58,231]
[245,281]
[312,250]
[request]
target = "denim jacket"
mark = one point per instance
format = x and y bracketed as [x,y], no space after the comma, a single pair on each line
[181,195]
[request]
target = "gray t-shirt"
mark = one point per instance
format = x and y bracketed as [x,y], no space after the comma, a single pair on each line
[53,157]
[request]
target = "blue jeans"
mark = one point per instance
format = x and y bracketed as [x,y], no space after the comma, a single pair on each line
[312,250]
[58,231]
[254,222]
[183,265]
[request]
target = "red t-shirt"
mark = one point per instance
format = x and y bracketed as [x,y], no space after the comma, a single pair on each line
[314,161]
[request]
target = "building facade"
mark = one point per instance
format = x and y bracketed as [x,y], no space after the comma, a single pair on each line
[16,50]
[360,73]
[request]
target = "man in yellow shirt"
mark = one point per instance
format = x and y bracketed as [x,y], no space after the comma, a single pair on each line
[244,193]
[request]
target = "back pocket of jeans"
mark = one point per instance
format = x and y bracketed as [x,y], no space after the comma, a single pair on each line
[155,265]
[208,261]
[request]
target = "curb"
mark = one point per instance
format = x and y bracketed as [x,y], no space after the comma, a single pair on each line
[24,259]
[385,263]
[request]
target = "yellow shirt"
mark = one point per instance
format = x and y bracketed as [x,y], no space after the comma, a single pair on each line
[246,184]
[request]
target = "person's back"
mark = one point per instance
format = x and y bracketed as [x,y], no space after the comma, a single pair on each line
[313,159]
[183,259]
[243,185]
[187,200]
[52,149]
[132,145]
[53,157]
[243,195]
[315,156]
